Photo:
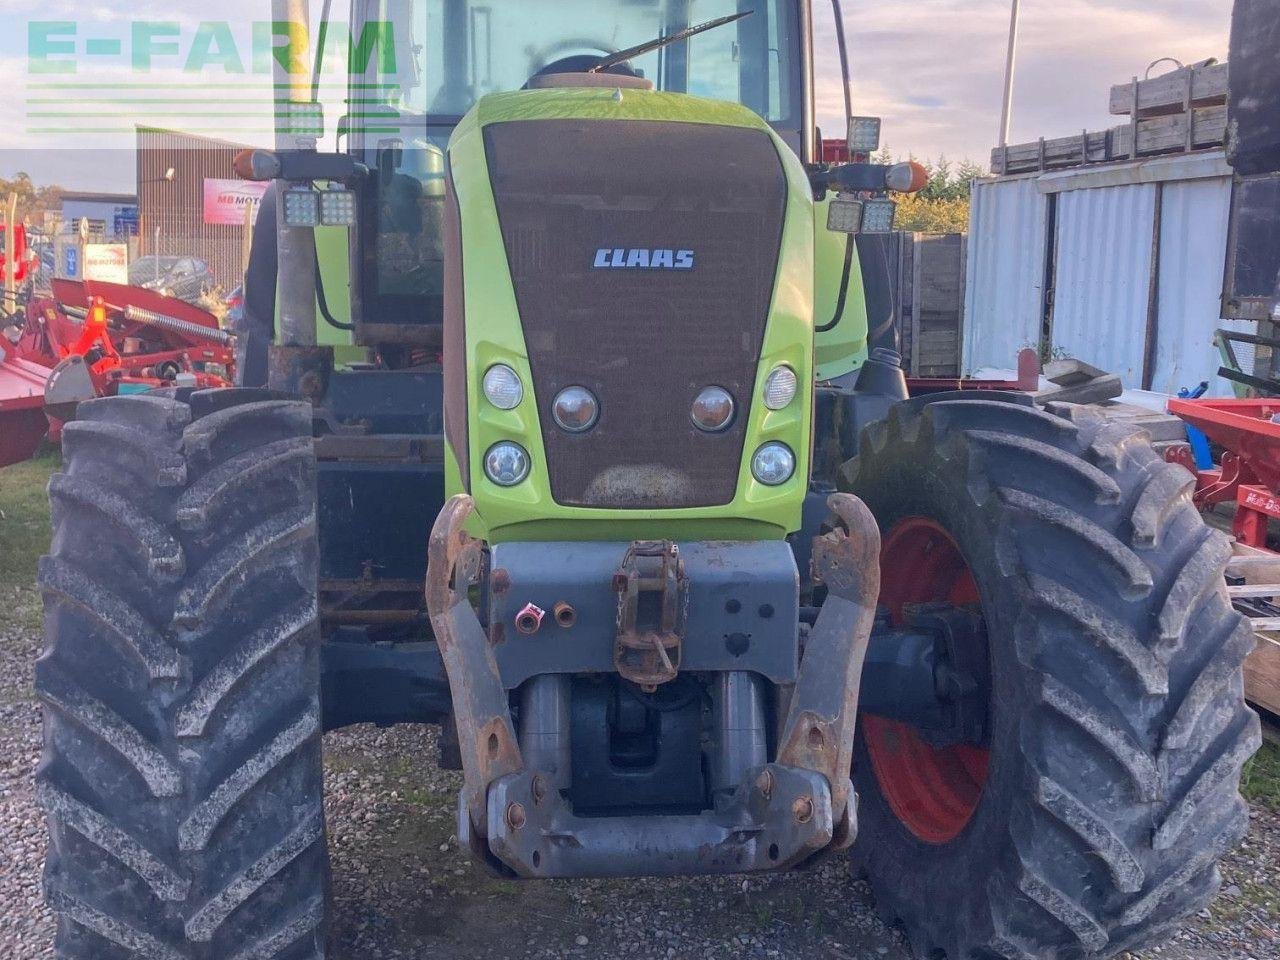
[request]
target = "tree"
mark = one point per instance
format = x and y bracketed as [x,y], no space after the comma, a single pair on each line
[942,206]
[33,201]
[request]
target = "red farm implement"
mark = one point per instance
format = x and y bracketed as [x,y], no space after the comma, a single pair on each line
[1249,471]
[94,339]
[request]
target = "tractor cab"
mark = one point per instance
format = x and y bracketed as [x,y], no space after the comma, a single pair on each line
[446,55]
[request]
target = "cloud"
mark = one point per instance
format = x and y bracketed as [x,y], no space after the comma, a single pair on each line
[935,68]
[932,68]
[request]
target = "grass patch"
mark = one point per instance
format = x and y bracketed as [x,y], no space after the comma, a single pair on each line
[24,536]
[24,516]
[1260,783]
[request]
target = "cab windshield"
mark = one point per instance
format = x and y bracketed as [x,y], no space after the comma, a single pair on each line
[450,53]
[461,50]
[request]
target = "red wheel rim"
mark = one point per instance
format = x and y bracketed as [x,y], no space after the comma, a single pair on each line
[933,791]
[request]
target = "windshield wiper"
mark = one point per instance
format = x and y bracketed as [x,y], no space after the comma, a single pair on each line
[622,56]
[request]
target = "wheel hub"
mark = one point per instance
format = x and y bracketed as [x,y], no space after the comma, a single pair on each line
[931,777]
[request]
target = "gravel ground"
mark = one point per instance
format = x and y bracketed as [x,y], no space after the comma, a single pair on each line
[402,888]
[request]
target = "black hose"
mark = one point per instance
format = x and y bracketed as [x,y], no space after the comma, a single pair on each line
[323,302]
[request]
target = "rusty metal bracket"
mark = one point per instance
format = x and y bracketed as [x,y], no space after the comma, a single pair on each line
[651,580]
[481,712]
[776,819]
[818,734]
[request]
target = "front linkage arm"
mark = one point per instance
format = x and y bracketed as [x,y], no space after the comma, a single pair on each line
[783,814]
[819,730]
[486,737]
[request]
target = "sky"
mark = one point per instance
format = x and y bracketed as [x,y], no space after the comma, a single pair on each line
[933,69]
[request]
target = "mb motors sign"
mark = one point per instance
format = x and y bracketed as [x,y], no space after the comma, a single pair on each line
[108,262]
[230,202]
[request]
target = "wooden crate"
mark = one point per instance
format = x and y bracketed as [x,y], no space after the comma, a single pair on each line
[1260,570]
[1181,111]
[1170,94]
[1200,129]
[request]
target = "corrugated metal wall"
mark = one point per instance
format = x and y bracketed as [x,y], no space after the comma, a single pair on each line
[1193,251]
[1102,275]
[1004,285]
[1104,295]
[177,207]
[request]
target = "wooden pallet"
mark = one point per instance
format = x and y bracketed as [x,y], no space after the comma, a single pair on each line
[1204,84]
[1179,112]
[1258,598]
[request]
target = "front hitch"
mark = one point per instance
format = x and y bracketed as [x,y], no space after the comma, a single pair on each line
[818,734]
[482,716]
[512,812]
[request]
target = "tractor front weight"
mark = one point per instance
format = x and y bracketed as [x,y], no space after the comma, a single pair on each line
[517,811]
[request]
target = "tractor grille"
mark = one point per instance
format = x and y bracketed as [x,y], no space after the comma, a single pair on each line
[644,341]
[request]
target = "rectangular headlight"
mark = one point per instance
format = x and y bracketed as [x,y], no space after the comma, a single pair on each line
[844,215]
[864,134]
[338,208]
[878,216]
[301,207]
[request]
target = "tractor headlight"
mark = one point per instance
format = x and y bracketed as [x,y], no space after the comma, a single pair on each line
[712,409]
[502,387]
[576,409]
[774,464]
[506,463]
[780,388]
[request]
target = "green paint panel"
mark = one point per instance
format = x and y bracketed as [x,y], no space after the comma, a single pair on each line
[603,103]
[334,257]
[495,335]
[842,346]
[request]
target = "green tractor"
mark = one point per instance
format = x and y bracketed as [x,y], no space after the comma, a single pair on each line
[616,491]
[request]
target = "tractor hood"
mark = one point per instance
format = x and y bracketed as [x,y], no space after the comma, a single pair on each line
[644,246]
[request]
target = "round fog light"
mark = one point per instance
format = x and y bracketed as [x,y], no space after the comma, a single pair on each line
[712,409]
[575,409]
[773,464]
[780,388]
[502,387]
[506,463]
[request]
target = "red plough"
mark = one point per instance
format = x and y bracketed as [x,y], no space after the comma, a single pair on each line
[1249,473]
[94,339]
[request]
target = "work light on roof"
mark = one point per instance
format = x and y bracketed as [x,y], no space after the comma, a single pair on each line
[864,135]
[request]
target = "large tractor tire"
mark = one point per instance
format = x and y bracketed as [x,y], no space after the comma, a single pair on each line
[180,681]
[1092,818]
